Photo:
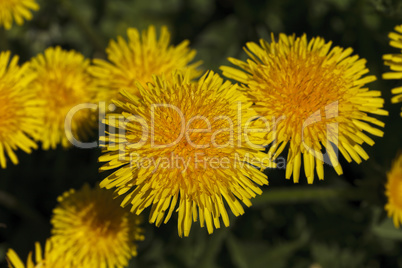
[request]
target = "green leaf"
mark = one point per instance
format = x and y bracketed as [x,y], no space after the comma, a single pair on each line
[236,252]
[386,229]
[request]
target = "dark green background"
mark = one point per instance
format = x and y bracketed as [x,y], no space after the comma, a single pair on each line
[339,222]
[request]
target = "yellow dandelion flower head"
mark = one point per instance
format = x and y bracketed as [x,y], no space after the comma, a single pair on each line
[17,10]
[394,61]
[49,259]
[194,156]
[139,58]
[394,192]
[19,111]
[315,99]
[64,84]
[90,229]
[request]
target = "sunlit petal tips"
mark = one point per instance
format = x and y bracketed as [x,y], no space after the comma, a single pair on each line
[20,111]
[142,56]
[63,83]
[183,148]
[50,258]
[16,10]
[90,229]
[394,192]
[315,98]
[394,61]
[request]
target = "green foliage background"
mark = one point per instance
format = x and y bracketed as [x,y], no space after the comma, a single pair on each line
[338,222]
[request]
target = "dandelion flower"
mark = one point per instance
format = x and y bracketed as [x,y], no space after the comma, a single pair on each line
[63,82]
[394,192]
[195,156]
[19,110]
[394,61]
[50,259]
[140,58]
[17,10]
[92,230]
[315,98]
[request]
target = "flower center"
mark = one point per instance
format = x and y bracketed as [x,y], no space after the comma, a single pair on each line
[304,85]
[188,133]
[103,225]
[63,90]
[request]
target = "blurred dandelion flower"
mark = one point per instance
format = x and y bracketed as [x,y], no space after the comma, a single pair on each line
[62,82]
[140,58]
[394,61]
[195,157]
[90,229]
[19,110]
[314,95]
[17,10]
[50,259]
[394,192]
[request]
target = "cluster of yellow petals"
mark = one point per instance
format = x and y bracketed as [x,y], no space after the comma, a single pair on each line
[90,229]
[20,111]
[394,192]
[208,110]
[394,61]
[137,59]
[62,82]
[16,10]
[315,98]
[51,258]
[312,95]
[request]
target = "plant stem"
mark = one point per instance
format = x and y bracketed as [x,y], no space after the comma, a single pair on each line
[88,30]
[213,247]
[23,210]
[306,194]
[3,39]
